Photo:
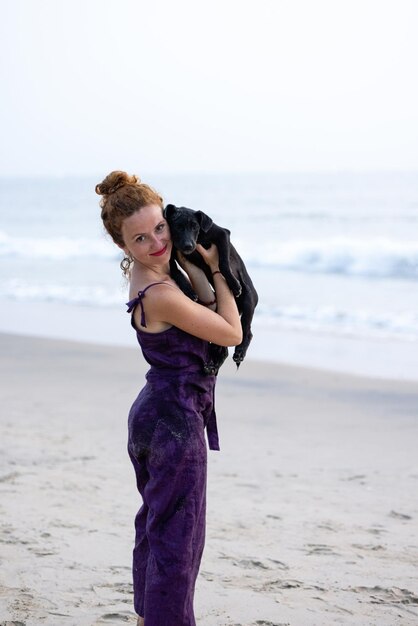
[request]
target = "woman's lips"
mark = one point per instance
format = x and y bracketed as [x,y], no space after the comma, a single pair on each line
[160,252]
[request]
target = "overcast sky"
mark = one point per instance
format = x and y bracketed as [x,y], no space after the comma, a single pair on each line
[170,86]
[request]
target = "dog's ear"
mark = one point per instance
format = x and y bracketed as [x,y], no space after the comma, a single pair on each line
[204,221]
[169,211]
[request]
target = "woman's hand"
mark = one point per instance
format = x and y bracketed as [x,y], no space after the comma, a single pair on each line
[182,261]
[210,256]
[192,270]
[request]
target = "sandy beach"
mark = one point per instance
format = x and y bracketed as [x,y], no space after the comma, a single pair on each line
[312,501]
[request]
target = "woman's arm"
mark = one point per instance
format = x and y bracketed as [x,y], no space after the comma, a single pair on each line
[226,305]
[166,303]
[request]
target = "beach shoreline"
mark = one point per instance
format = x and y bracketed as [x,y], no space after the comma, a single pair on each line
[310,514]
[380,358]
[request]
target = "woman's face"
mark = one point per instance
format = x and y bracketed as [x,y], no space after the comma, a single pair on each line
[147,236]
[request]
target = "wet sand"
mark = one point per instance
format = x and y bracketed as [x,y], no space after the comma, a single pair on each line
[312,505]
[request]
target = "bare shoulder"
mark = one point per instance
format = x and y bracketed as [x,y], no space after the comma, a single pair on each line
[164,297]
[152,299]
[137,288]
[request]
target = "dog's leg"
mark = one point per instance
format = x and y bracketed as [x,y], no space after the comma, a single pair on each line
[217,355]
[177,275]
[223,243]
[248,302]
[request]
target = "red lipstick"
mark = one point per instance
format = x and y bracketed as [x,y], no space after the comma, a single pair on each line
[160,252]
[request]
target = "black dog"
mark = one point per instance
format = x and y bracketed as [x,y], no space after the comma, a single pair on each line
[189,228]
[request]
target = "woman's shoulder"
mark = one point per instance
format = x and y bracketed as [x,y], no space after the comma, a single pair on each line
[147,311]
[139,289]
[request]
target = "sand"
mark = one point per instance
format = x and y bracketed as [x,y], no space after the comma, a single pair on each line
[312,501]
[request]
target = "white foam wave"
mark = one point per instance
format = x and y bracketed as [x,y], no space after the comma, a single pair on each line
[81,295]
[379,258]
[56,249]
[373,258]
[355,322]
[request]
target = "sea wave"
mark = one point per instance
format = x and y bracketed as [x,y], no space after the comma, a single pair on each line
[83,295]
[355,322]
[328,319]
[373,258]
[56,248]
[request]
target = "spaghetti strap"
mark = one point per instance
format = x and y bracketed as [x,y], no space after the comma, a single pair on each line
[132,304]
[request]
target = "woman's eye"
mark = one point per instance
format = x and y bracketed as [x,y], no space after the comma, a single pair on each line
[140,238]
[160,227]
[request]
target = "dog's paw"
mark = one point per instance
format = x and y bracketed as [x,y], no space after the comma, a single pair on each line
[233,284]
[210,369]
[237,291]
[238,356]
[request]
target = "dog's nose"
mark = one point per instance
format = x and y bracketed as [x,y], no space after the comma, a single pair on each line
[188,249]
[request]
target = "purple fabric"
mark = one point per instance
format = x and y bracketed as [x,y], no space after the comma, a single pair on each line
[168,451]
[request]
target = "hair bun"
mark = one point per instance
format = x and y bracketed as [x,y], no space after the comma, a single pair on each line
[114,181]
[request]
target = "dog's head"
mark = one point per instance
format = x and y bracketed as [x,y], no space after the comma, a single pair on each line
[185,226]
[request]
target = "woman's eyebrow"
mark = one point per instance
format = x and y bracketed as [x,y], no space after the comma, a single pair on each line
[138,234]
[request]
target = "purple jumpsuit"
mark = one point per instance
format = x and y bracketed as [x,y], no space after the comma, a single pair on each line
[167,448]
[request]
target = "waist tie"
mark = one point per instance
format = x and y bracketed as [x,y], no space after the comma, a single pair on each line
[212,431]
[211,425]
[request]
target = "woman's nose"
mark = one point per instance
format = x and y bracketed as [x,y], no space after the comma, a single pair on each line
[156,240]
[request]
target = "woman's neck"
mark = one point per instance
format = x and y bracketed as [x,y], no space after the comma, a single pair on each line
[142,273]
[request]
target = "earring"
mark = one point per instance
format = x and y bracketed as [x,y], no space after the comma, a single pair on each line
[125,264]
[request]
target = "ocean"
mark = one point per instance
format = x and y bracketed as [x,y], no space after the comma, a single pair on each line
[333,256]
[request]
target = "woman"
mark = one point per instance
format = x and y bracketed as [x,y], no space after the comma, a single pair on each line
[167,420]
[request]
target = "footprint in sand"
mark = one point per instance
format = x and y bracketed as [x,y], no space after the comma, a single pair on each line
[272,585]
[58,523]
[120,568]
[279,564]
[9,537]
[246,563]
[328,526]
[376,530]
[251,564]
[368,546]
[262,622]
[120,592]
[397,515]
[121,617]
[7,478]
[42,552]
[387,595]
[320,548]
[249,485]
[357,477]
[122,587]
